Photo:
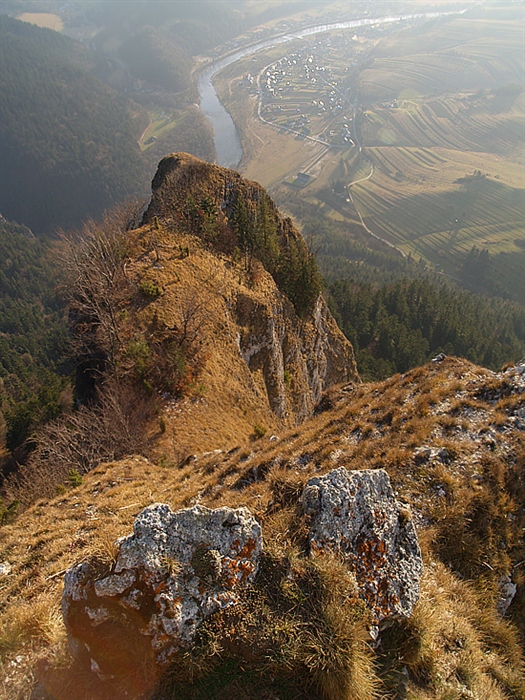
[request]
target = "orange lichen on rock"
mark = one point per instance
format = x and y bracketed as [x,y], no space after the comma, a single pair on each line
[172,573]
[356,515]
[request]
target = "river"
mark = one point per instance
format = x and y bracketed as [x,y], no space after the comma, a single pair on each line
[227,141]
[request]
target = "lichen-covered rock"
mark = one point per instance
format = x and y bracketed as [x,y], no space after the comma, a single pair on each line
[355,514]
[175,570]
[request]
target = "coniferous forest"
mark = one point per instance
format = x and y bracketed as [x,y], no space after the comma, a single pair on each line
[396,326]
[34,344]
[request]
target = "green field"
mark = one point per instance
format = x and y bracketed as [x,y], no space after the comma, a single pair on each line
[160,124]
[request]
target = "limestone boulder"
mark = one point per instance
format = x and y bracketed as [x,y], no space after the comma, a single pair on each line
[355,515]
[176,569]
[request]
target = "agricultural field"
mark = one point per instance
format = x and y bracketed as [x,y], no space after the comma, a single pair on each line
[413,133]
[160,123]
[42,19]
[446,138]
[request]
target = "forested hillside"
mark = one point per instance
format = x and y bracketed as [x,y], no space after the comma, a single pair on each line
[33,335]
[195,26]
[152,56]
[68,141]
[394,327]
[398,313]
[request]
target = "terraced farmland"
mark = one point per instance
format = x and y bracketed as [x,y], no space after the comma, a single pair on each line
[442,121]
[438,107]
[439,225]
[446,56]
[449,168]
[489,122]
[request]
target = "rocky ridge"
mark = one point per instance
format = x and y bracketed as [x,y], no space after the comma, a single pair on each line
[320,588]
[447,436]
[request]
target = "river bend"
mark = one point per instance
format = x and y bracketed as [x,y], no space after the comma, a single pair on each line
[227,141]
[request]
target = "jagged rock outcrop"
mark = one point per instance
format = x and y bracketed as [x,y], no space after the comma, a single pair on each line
[356,515]
[181,175]
[175,570]
[286,353]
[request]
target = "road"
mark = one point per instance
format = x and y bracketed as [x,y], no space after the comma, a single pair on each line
[364,179]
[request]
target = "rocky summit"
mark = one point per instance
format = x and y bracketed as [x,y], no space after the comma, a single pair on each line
[223,300]
[291,360]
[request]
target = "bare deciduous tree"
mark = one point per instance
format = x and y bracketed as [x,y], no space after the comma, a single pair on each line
[97,287]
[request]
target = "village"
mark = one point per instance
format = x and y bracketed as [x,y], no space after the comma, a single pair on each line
[303,93]
[310,91]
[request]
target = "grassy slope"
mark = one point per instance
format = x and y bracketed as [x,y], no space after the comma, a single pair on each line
[452,645]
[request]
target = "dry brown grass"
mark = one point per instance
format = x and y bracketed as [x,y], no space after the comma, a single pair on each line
[220,407]
[31,632]
[454,641]
[444,645]
[301,629]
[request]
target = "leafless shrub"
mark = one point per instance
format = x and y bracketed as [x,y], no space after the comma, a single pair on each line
[119,375]
[106,431]
[178,352]
[98,287]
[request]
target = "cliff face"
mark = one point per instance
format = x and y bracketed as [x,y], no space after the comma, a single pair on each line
[291,362]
